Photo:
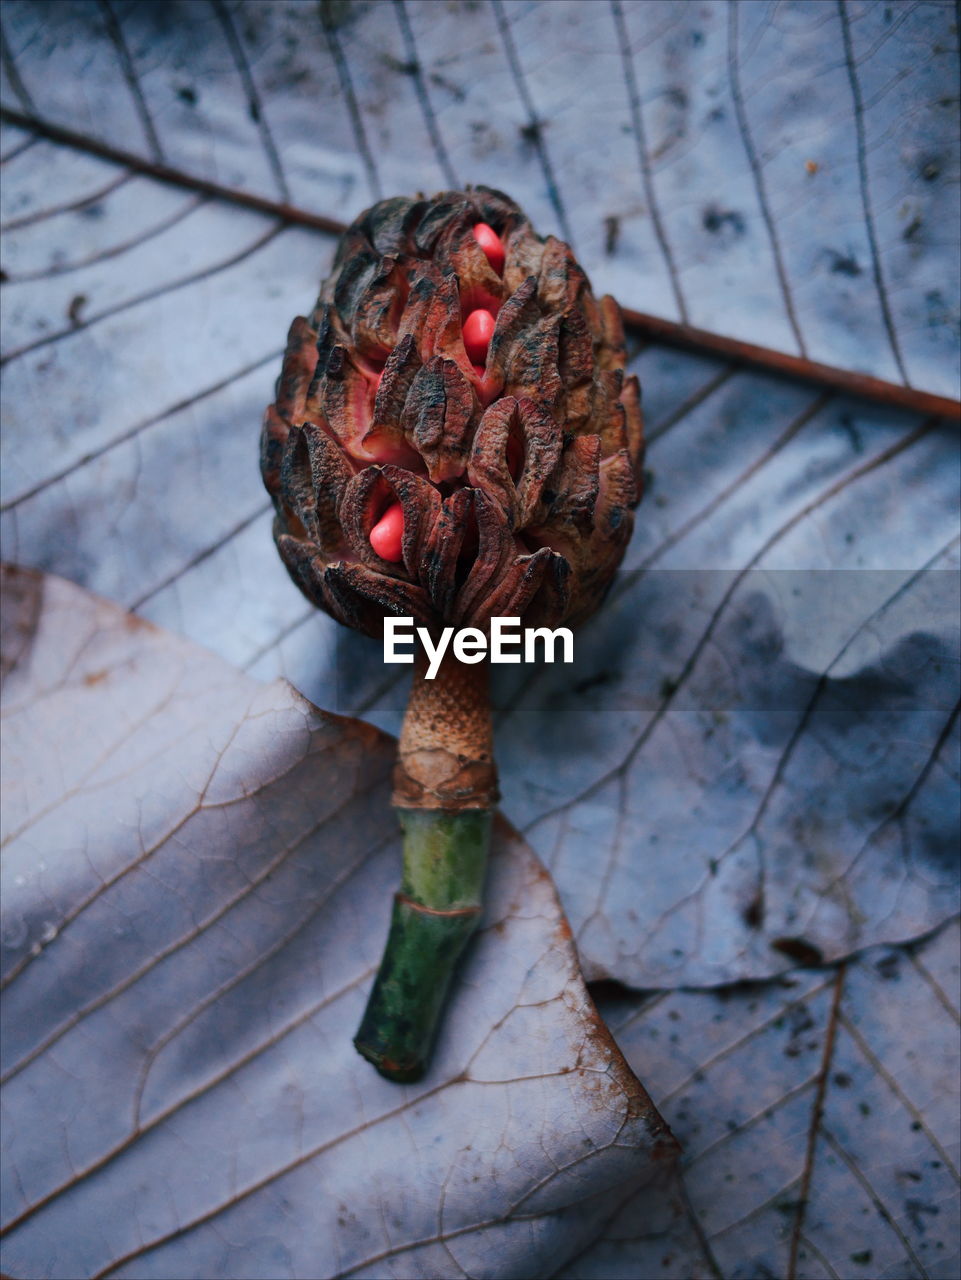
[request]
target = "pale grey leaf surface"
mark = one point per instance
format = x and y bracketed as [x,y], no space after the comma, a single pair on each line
[767,730]
[791,726]
[755,755]
[785,174]
[819,1117]
[756,750]
[197,875]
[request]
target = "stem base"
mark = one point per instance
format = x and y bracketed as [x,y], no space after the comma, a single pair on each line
[434,915]
[400,1023]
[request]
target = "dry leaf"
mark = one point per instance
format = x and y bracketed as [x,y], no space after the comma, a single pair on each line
[819,1119]
[197,877]
[786,176]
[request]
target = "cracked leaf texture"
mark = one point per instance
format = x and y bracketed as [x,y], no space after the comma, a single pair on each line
[196,879]
[784,174]
[752,766]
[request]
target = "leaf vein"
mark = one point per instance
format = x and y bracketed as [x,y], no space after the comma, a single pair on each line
[865,193]
[115,32]
[643,159]
[423,97]
[534,124]
[741,113]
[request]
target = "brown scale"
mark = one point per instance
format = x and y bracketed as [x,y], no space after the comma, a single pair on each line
[445,758]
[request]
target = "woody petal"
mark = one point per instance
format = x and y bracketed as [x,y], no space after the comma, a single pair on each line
[442,549]
[497,209]
[357,266]
[378,310]
[524,254]
[363,501]
[297,371]
[561,281]
[612,352]
[421,504]
[437,418]
[575,359]
[575,350]
[634,426]
[330,473]
[331,332]
[423,281]
[575,486]
[366,498]
[273,440]
[509,594]
[518,314]
[363,598]
[298,497]
[550,604]
[444,321]
[344,399]
[385,438]
[576,411]
[389,225]
[432,313]
[496,550]
[542,451]
[531,366]
[444,213]
[615,498]
[304,564]
[608,416]
[480,285]
[487,468]
[353,242]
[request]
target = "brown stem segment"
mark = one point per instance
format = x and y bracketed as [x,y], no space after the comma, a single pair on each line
[445,787]
[445,758]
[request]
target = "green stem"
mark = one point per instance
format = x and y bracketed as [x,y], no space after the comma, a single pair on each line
[435,913]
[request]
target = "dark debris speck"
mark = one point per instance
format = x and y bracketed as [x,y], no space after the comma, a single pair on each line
[716,220]
[799,949]
[844,264]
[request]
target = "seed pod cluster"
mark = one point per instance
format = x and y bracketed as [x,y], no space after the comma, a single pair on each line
[454,437]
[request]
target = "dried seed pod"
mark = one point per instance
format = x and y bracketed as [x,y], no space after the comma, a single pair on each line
[434,363]
[453,439]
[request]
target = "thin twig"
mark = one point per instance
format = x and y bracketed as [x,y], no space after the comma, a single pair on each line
[651,327]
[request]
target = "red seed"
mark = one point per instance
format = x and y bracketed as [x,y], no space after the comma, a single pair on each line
[478,330]
[490,242]
[387,535]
